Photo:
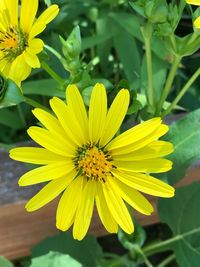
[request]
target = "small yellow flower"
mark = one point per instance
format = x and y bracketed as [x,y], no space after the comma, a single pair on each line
[18,45]
[197,20]
[83,160]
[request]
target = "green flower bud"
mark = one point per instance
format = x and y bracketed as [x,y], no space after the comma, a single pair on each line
[156,11]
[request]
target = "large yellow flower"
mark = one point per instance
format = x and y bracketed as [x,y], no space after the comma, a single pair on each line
[83,160]
[197,20]
[18,45]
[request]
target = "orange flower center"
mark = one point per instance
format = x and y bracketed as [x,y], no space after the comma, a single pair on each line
[95,164]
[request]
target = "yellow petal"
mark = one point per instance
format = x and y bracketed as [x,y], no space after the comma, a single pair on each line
[48,193]
[68,204]
[34,155]
[27,15]
[104,212]
[197,23]
[46,173]
[193,2]
[155,149]
[160,131]
[146,184]
[19,70]
[68,121]
[55,143]
[97,112]
[36,45]
[49,14]
[84,211]
[135,134]
[49,121]
[77,107]
[37,28]
[156,165]
[31,59]
[132,197]
[13,11]
[115,116]
[118,208]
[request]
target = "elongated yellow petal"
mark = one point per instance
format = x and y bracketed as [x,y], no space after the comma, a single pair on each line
[135,134]
[68,204]
[153,150]
[104,212]
[145,183]
[49,121]
[76,104]
[46,173]
[68,121]
[160,131]
[84,211]
[13,11]
[37,28]
[27,15]
[55,143]
[48,193]
[97,112]
[197,23]
[156,165]
[132,196]
[118,208]
[193,2]
[49,14]
[35,155]
[115,116]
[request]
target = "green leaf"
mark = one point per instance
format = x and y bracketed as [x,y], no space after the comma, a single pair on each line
[185,136]
[182,215]
[87,252]
[10,119]
[5,263]
[47,2]
[47,87]
[55,259]
[12,95]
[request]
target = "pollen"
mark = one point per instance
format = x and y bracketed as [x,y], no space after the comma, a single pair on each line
[95,164]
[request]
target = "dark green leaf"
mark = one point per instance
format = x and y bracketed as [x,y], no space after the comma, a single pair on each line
[182,215]
[87,251]
[10,119]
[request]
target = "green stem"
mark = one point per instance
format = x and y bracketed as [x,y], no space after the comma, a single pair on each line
[168,83]
[34,103]
[161,246]
[182,92]
[52,73]
[150,89]
[166,261]
[21,115]
[146,260]
[54,52]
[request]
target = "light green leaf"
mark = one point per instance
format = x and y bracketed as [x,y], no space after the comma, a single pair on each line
[55,259]
[185,135]
[182,215]
[5,263]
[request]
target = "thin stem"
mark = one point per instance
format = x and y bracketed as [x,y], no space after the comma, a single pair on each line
[161,246]
[182,92]
[35,104]
[54,52]
[146,260]
[150,88]
[168,84]
[166,261]
[52,73]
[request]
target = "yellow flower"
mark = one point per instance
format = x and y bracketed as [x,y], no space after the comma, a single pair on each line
[18,45]
[197,20]
[83,160]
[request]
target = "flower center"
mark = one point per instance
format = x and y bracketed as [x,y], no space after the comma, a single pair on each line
[12,43]
[94,163]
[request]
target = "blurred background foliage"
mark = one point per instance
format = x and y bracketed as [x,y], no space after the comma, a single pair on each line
[111,50]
